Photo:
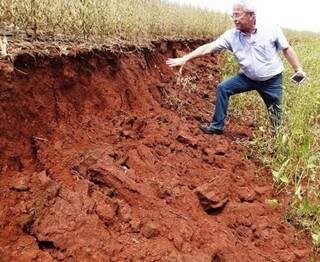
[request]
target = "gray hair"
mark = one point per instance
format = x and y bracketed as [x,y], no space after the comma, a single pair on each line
[247,5]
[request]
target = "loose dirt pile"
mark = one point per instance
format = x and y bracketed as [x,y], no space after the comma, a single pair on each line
[102,159]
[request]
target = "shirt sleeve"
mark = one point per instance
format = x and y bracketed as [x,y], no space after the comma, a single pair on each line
[281,41]
[223,42]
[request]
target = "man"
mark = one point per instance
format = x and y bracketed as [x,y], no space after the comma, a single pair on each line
[256,49]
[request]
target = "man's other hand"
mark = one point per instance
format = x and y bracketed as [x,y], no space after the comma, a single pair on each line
[300,72]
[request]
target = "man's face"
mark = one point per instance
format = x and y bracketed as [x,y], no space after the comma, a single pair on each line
[243,20]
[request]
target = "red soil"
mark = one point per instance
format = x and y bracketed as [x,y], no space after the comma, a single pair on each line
[102,159]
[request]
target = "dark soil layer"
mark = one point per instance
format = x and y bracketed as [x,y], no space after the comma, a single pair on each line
[102,159]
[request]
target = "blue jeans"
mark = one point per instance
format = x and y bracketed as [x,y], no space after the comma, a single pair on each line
[270,91]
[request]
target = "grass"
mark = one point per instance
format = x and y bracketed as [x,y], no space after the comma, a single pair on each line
[294,153]
[100,19]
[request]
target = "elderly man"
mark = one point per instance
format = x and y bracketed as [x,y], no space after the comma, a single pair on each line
[256,49]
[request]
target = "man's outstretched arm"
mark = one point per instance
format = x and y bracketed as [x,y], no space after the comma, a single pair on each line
[200,51]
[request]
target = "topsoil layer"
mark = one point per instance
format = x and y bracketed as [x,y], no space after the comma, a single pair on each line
[102,159]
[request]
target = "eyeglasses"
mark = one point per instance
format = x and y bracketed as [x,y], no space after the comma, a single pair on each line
[238,15]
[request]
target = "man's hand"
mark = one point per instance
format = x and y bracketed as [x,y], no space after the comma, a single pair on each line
[176,61]
[300,72]
[299,76]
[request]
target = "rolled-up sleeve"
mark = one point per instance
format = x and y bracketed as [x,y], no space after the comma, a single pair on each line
[223,42]
[281,41]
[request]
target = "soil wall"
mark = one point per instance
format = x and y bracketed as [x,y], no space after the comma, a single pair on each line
[101,159]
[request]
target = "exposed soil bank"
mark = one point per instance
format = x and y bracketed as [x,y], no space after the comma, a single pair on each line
[102,160]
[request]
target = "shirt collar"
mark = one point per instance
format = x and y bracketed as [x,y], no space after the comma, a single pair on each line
[254,31]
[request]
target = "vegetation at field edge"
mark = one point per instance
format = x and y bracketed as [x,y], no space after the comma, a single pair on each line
[294,153]
[101,19]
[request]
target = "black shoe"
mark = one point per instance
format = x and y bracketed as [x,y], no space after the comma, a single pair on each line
[211,130]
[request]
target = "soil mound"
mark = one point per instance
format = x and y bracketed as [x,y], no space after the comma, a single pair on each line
[102,159]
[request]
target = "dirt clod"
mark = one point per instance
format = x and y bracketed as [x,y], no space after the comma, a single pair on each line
[211,199]
[150,230]
[135,225]
[21,184]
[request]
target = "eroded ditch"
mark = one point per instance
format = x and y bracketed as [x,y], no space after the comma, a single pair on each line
[102,160]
